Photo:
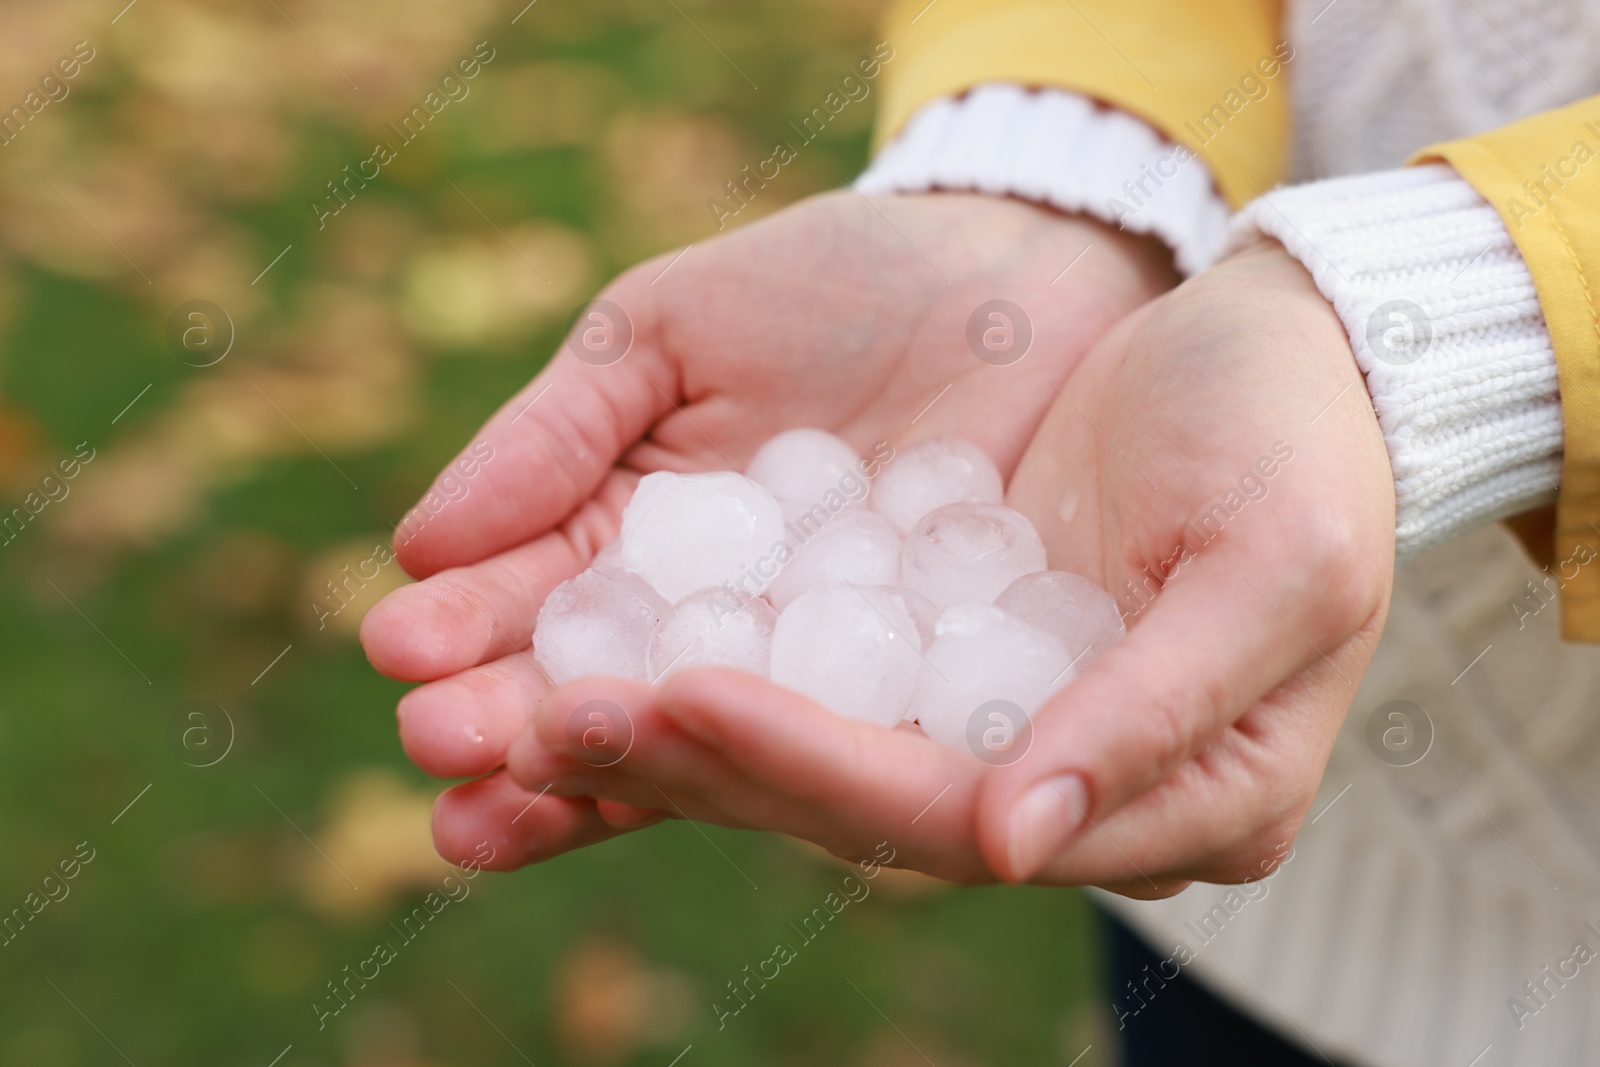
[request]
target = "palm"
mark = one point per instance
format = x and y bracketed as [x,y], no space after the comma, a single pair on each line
[851,316]
[837,313]
[1164,420]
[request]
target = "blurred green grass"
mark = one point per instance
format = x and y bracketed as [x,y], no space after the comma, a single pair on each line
[188,552]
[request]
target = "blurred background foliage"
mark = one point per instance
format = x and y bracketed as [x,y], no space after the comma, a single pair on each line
[187,554]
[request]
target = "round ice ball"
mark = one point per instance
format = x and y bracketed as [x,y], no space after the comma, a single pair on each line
[1084,617]
[854,650]
[931,474]
[711,629]
[608,560]
[855,547]
[809,467]
[683,532]
[924,612]
[981,654]
[969,552]
[593,624]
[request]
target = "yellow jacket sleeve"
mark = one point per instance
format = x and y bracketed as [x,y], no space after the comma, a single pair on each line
[1209,76]
[1543,176]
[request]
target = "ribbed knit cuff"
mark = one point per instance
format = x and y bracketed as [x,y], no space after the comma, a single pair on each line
[1445,324]
[1057,147]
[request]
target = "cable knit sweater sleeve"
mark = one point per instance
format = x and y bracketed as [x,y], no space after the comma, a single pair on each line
[1440,308]
[1445,324]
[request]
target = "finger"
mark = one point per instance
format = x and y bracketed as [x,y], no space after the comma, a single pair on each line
[628,816]
[1139,889]
[462,726]
[465,616]
[844,784]
[1227,816]
[546,450]
[606,737]
[501,826]
[1220,634]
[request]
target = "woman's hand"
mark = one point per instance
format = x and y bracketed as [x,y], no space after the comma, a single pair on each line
[840,312]
[1216,463]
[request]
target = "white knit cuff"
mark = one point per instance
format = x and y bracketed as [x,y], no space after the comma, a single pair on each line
[1057,147]
[1445,324]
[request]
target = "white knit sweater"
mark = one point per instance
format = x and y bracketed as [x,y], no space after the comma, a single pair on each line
[1437,913]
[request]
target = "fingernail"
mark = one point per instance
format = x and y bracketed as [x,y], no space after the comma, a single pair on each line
[1043,820]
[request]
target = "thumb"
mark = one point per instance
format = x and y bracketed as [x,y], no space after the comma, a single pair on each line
[1221,633]
[549,447]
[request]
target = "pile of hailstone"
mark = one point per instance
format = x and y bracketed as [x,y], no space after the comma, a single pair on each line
[882,588]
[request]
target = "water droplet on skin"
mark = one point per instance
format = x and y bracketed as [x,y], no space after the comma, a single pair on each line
[1069,505]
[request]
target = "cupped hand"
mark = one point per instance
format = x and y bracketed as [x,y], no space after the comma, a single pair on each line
[1217,465]
[841,312]
[1214,462]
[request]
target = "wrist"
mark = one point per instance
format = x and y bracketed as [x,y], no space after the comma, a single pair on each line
[1444,322]
[1060,148]
[1027,247]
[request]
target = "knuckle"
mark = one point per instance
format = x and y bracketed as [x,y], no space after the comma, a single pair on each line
[1175,725]
[467,600]
[459,594]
